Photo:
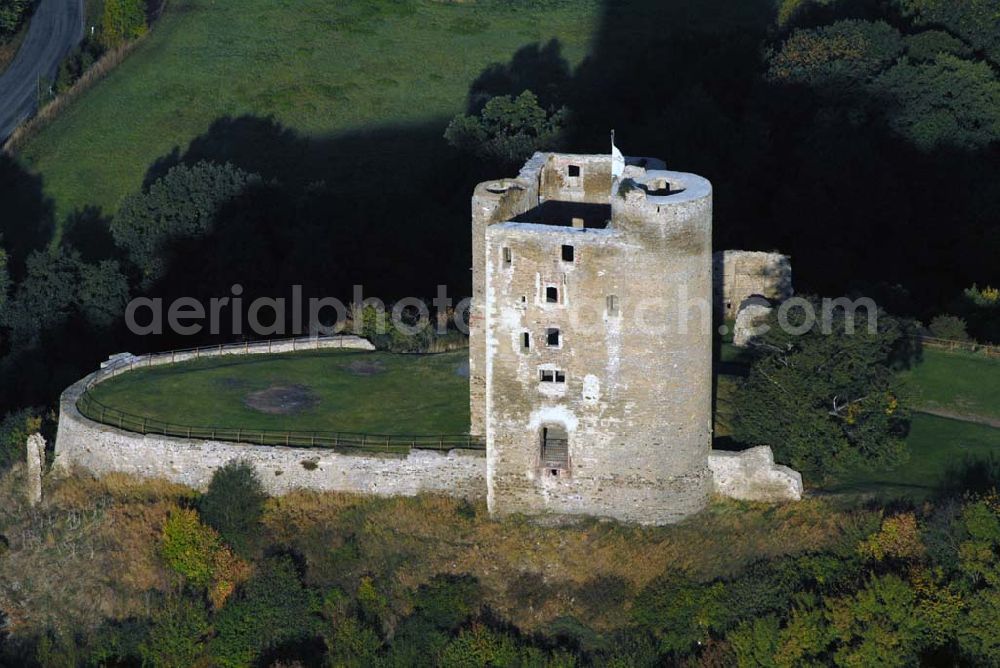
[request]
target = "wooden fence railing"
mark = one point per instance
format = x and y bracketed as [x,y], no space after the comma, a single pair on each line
[967,346]
[93,409]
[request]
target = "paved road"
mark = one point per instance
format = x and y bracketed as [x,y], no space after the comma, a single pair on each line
[56,27]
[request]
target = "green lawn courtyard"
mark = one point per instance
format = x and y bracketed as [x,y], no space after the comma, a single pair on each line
[324,391]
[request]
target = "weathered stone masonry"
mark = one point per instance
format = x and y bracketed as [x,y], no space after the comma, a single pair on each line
[103,449]
[569,246]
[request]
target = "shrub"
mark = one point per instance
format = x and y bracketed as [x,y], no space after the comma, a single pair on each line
[678,611]
[447,601]
[273,608]
[177,636]
[480,646]
[196,552]
[948,327]
[12,13]
[14,431]
[122,20]
[508,130]
[899,538]
[233,505]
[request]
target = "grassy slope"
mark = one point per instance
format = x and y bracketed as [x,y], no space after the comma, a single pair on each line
[533,574]
[959,382]
[318,67]
[956,381]
[413,395]
[940,449]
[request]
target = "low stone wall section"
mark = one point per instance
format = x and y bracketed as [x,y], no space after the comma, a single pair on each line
[752,475]
[99,448]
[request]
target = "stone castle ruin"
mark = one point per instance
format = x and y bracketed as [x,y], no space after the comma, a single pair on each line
[590,361]
[591,413]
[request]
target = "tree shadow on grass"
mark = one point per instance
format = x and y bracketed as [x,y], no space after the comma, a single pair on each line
[26,214]
[386,209]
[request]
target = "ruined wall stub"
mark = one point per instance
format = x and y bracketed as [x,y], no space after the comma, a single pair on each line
[631,400]
[743,274]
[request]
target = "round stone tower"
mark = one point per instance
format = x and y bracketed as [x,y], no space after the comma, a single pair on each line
[590,347]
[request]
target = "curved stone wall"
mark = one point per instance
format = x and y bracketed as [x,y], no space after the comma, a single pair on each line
[99,448]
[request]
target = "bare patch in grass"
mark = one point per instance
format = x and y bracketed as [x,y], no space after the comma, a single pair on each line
[365,367]
[281,400]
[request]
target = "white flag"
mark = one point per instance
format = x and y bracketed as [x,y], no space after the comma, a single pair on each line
[617,159]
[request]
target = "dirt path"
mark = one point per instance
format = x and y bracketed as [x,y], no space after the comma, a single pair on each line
[961,417]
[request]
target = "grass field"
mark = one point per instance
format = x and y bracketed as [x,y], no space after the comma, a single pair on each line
[317,67]
[943,454]
[347,391]
[942,451]
[956,381]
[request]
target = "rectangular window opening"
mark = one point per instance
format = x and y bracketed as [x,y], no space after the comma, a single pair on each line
[552,336]
[506,255]
[573,171]
[567,253]
[525,341]
[613,308]
[552,295]
[551,376]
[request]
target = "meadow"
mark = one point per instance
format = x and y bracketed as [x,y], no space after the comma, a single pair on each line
[318,68]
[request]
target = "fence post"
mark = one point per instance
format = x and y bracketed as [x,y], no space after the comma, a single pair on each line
[238,434]
[269,345]
[143,425]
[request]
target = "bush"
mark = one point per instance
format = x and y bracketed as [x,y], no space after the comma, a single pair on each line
[273,608]
[177,636]
[196,552]
[12,13]
[948,327]
[233,505]
[122,20]
[508,130]
[678,612]
[14,431]
[79,60]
